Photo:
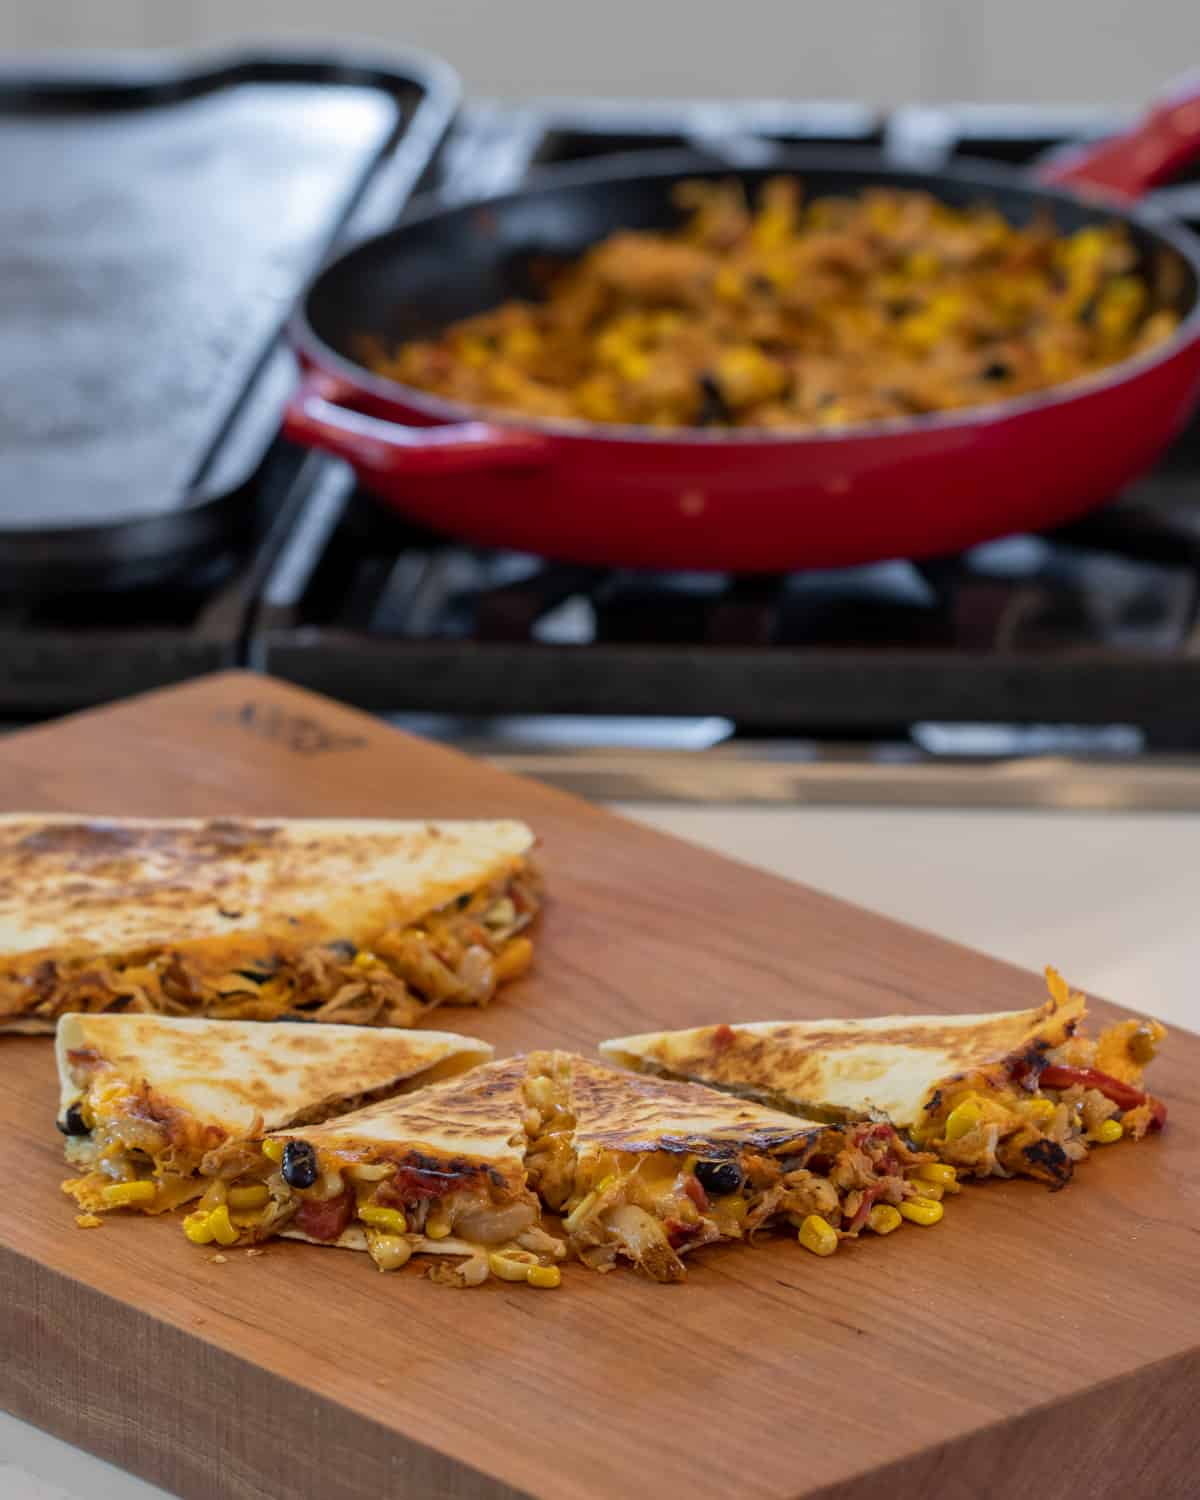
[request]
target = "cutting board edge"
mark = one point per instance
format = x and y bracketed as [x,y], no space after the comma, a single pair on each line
[88,1408]
[1058,1450]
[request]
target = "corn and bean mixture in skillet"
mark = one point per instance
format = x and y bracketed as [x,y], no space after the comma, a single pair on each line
[792,314]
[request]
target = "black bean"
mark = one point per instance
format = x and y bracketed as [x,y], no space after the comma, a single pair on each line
[719,1177]
[255,976]
[713,410]
[343,949]
[72,1122]
[300,1168]
[997,369]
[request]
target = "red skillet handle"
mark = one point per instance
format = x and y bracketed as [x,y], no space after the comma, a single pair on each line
[1158,146]
[321,415]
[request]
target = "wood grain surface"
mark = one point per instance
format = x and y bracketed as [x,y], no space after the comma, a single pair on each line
[1032,1344]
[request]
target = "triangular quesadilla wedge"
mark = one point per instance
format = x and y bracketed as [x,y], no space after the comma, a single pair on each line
[357,921]
[646,1170]
[1005,1094]
[439,1172]
[155,1107]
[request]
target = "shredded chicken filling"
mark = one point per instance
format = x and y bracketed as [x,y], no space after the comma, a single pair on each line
[653,1207]
[1040,1114]
[401,1203]
[456,955]
[132,1137]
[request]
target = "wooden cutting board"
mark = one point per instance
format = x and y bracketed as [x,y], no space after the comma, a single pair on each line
[1032,1344]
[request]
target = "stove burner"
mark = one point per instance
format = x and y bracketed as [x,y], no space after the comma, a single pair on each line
[1091,626]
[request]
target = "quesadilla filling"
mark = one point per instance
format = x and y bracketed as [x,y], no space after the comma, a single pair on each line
[458,955]
[138,1151]
[652,1206]
[1039,1113]
[391,1200]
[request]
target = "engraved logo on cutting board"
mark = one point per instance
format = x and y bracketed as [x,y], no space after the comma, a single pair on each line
[299,733]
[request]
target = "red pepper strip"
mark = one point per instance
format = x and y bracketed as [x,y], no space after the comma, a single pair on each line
[1123,1095]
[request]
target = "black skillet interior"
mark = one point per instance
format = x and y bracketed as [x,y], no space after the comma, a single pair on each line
[450,263]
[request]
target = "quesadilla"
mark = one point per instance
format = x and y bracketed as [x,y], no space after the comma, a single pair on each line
[153,1108]
[1013,1093]
[647,1170]
[356,921]
[439,1172]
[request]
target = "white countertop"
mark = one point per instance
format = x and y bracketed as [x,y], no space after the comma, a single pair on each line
[1110,899]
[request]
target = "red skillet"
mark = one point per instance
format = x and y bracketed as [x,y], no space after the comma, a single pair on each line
[740,501]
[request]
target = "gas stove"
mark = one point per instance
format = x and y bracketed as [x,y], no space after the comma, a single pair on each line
[1085,640]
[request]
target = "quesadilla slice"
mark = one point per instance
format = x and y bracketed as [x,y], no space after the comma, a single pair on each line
[1007,1094]
[357,921]
[439,1172]
[647,1170]
[153,1108]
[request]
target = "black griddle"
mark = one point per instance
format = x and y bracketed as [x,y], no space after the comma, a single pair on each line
[158,219]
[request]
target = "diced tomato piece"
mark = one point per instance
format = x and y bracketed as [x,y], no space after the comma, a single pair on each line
[694,1188]
[325,1218]
[679,1233]
[724,1036]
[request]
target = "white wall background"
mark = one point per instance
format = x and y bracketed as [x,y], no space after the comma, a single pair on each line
[885,51]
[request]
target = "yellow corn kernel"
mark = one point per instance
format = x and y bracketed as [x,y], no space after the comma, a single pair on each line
[474,352]
[963,1118]
[438,1225]
[195,1226]
[363,959]
[512,1265]
[633,366]
[125,1194]
[1040,1111]
[938,1171]
[221,1226]
[733,1205]
[933,1190]
[883,1218]
[520,343]
[514,959]
[254,1195]
[1108,1131]
[598,400]
[923,264]
[817,1235]
[273,1151]
[390,1219]
[389,1251]
[543,1276]
[727,284]
[921,1210]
